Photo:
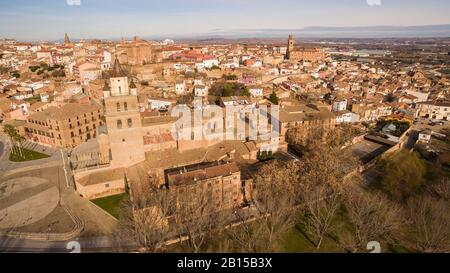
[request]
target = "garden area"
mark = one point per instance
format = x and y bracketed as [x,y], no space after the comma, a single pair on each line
[23,155]
[45,69]
[391,127]
[111,204]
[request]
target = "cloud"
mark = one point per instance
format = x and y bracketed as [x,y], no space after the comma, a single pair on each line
[374,2]
[73,2]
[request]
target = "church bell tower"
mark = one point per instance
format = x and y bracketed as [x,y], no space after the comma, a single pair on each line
[123,120]
[290,47]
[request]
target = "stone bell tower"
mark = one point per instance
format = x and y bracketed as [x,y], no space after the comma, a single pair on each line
[290,46]
[123,120]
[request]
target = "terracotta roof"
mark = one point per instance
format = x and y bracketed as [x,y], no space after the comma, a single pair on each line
[117,70]
[203,174]
[66,111]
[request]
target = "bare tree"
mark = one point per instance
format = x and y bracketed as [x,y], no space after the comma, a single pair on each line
[429,218]
[320,206]
[262,227]
[372,217]
[199,221]
[145,218]
[441,189]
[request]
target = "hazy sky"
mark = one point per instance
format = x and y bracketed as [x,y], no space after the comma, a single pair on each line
[50,19]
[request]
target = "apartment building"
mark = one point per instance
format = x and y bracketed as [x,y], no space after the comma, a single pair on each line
[64,127]
[218,184]
[435,110]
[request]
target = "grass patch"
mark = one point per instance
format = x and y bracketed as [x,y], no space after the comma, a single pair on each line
[28,155]
[111,204]
[296,241]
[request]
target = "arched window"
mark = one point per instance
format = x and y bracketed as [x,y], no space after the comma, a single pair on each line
[118,107]
[125,106]
[119,124]
[120,90]
[130,123]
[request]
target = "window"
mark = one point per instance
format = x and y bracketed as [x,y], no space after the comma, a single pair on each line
[119,124]
[120,90]
[130,123]
[125,106]
[106,185]
[118,107]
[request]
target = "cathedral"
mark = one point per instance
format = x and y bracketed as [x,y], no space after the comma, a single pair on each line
[66,39]
[303,54]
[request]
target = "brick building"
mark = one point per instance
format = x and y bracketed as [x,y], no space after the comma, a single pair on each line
[64,127]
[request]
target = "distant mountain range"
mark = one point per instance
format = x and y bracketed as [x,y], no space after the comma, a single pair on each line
[313,32]
[438,31]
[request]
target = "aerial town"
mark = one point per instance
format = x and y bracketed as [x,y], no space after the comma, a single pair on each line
[225,145]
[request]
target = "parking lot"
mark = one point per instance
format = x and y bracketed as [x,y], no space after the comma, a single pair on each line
[437,126]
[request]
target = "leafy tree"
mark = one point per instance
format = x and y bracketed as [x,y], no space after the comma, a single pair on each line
[389,97]
[227,90]
[33,68]
[3,69]
[327,97]
[15,74]
[404,175]
[14,137]
[229,77]
[274,98]
[246,92]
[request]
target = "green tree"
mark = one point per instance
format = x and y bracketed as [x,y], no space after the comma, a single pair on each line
[3,69]
[33,68]
[404,175]
[274,98]
[327,97]
[389,97]
[246,92]
[14,138]
[229,77]
[15,74]
[227,90]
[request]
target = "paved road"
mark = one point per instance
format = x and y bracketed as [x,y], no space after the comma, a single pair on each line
[94,244]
